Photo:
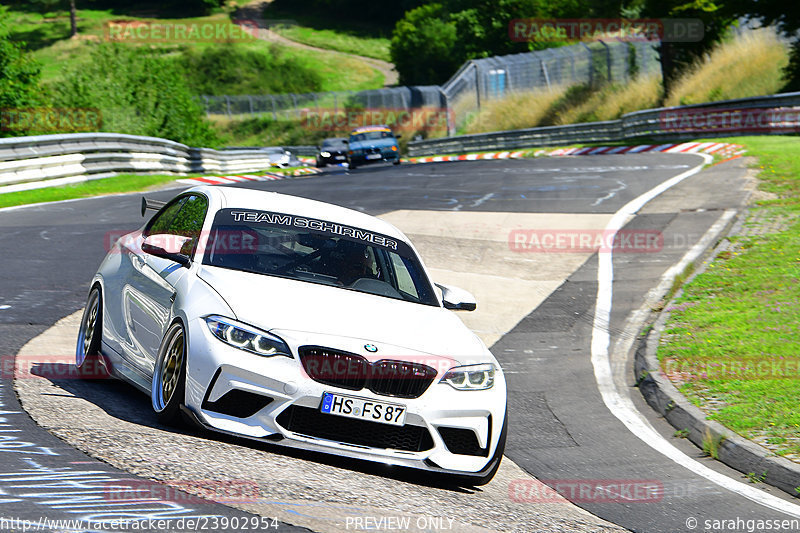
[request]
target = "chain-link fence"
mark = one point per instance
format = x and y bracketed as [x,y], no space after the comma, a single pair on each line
[295,106]
[481,80]
[476,82]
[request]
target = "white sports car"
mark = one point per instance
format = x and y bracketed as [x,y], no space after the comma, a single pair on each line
[300,323]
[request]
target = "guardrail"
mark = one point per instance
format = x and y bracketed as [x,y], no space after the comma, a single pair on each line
[46,157]
[758,115]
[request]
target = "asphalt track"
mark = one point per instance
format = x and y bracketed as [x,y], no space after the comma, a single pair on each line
[560,428]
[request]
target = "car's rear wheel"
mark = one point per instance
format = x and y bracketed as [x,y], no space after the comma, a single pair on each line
[87,351]
[169,376]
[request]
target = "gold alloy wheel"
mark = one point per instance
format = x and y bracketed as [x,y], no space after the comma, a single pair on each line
[171,367]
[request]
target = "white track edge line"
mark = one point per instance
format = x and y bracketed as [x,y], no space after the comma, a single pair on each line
[626,412]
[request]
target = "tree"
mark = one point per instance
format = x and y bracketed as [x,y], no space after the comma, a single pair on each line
[423,45]
[137,92]
[19,72]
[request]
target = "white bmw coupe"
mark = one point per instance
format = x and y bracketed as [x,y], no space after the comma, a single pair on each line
[300,323]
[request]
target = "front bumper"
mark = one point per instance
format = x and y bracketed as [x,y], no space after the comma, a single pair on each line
[272,398]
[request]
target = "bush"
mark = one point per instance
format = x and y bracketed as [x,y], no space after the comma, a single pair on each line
[137,92]
[226,69]
[19,75]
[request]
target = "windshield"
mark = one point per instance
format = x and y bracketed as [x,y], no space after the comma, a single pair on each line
[334,144]
[371,136]
[317,251]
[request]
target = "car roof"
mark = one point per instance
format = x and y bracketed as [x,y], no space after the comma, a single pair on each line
[333,140]
[366,129]
[295,205]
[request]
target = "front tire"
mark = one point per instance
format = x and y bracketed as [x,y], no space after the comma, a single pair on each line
[169,376]
[87,351]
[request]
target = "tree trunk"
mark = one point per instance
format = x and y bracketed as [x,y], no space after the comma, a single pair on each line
[73,19]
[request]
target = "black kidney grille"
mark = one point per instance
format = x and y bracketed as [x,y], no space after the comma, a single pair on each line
[338,369]
[400,379]
[313,423]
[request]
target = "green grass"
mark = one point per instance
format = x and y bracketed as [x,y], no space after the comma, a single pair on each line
[732,343]
[118,184]
[340,41]
[47,36]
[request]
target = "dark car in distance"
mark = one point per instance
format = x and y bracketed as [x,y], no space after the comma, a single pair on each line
[333,151]
[372,144]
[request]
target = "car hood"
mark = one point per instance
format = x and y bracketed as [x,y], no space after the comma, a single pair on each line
[279,304]
[376,143]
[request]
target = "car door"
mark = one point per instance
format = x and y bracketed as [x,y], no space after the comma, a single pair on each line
[150,292]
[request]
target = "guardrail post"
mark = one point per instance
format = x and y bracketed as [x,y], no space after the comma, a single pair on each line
[608,59]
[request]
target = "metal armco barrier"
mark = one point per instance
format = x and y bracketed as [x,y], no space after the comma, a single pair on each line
[36,158]
[777,114]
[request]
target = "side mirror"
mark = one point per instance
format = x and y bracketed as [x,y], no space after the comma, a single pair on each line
[398,135]
[457,299]
[168,247]
[346,142]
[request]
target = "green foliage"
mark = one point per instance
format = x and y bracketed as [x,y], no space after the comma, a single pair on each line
[430,42]
[19,72]
[225,69]
[137,92]
[423,46]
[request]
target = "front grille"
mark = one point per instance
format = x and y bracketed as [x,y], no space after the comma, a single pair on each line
[400,379]
[338,369]
[351,371]
[238,403]
[313,423]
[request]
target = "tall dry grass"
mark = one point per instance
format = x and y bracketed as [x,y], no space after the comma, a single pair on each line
[750,64]
[516,111]
[563,105]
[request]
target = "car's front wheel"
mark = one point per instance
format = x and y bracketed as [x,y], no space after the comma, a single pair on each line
[87,352]
[169,376]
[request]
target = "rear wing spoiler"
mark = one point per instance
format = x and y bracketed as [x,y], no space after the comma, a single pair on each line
[153,205]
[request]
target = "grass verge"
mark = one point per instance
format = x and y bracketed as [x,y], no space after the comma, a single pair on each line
[374,47]
[731,344]
[121,183]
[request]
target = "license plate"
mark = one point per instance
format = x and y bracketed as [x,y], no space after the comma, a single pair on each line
[373,156]
[363,409]
[340,158]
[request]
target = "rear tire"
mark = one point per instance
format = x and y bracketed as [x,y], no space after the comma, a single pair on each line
[169,376]
[87,351]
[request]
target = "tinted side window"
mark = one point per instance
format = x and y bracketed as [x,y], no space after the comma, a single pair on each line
[183,217]
[161,222]
[189,221]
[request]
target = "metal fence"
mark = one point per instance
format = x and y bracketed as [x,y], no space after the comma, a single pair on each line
[481,80]
[476,82]
[293,106]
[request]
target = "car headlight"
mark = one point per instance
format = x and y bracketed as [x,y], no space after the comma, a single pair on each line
[471,377]
[325,154]
[246,337]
